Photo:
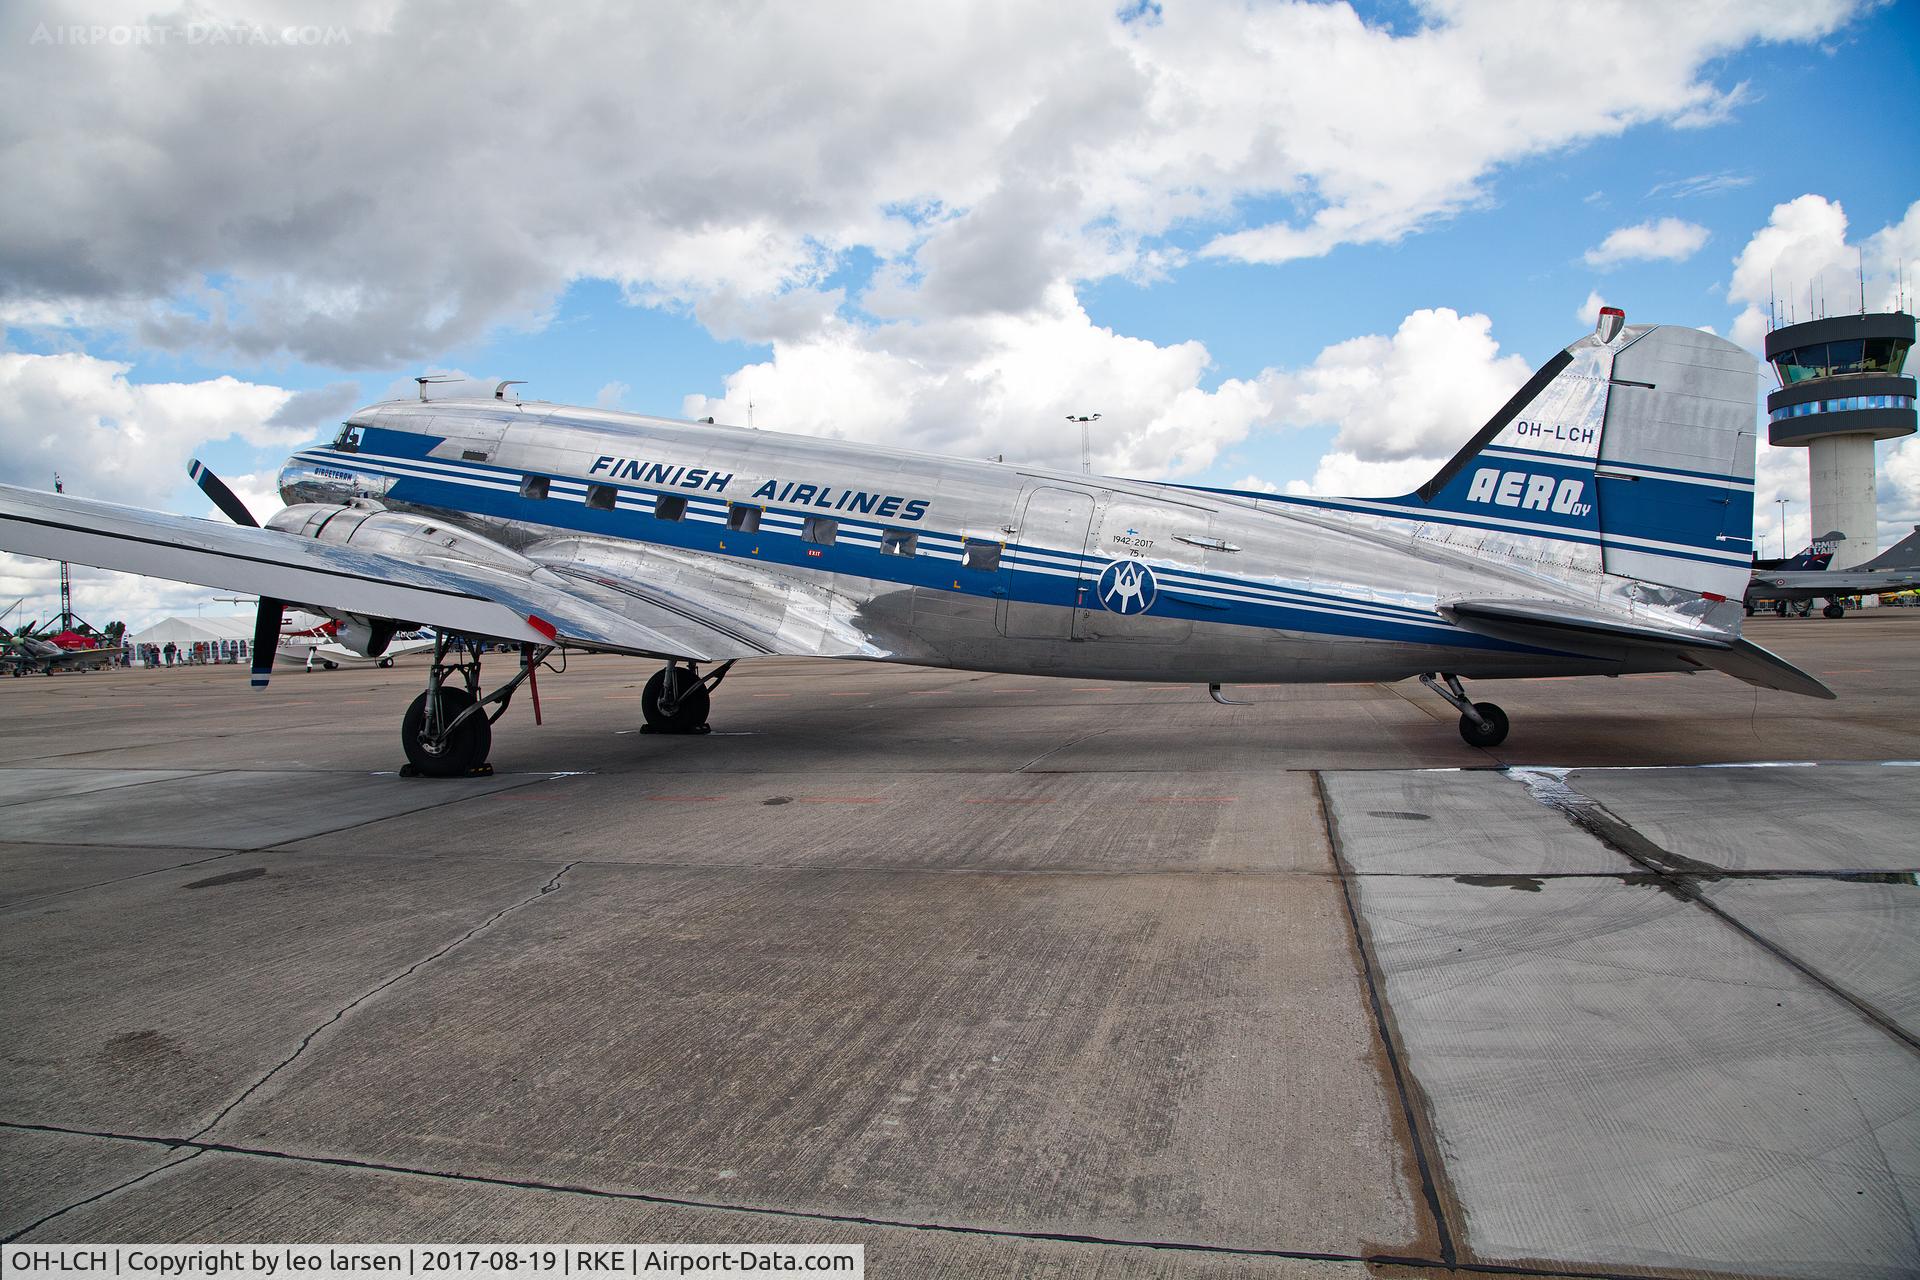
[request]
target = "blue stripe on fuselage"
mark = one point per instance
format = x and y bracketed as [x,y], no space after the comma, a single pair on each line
[494,492]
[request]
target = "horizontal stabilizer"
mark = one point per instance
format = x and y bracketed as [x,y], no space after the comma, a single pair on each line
[1558,624]
[1745,660]
[1564,624]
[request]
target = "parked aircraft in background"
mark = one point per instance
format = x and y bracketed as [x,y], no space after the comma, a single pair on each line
[307,641]
[1600,523]
[1806,577]
[20,654]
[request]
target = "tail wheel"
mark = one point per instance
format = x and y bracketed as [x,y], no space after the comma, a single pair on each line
[689,699]
[461,752]
[1491,732]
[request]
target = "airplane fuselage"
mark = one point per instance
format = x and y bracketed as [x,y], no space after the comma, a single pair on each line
[856,551]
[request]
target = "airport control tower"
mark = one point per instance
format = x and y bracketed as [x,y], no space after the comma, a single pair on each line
[1841,390]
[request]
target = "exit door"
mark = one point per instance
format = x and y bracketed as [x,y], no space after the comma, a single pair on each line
[1043,605]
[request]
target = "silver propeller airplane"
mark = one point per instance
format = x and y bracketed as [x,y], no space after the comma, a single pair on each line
[1600,523]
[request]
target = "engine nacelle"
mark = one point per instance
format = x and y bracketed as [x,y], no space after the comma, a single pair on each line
[368,637]
[368,526]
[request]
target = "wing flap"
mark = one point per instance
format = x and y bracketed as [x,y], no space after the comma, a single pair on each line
[456,596]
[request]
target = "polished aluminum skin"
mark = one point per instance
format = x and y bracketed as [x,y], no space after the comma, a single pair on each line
[1244,588]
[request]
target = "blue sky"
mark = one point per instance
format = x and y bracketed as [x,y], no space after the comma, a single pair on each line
[323,291]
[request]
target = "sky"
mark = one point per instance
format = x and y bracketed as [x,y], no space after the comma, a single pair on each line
[1288,246]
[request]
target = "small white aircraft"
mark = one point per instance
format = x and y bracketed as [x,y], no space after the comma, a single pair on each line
[307,641]
[1600,523]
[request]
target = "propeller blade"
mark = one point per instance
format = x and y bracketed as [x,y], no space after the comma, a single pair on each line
[266,639]
[224,498]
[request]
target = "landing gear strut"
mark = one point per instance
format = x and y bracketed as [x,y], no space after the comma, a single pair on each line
[448,731]
[678,697]
[1482,724]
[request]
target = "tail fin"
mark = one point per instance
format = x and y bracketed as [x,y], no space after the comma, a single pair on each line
[1904,554]
[1630,453]
[1818,553]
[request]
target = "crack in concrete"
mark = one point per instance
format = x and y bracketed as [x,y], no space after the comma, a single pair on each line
[308,1039]
[102,1195]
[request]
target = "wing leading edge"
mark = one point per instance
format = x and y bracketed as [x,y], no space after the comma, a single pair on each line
[456,596]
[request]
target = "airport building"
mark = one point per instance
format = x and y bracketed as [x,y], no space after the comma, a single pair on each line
[1841,392]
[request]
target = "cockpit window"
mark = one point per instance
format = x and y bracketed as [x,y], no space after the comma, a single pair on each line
[348,441]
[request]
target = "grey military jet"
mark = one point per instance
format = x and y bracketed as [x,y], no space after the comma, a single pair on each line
[1807,578]
[1600,523]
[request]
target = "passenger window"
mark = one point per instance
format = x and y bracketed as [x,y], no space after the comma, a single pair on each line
[898,542]
[981,555]
[600,497]
[670,506]
[820,529]
[743,517]
[533,487]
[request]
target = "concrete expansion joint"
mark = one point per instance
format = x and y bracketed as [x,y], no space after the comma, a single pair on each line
[196,1146]
[552,883]
[1414,1109]
[1686,879]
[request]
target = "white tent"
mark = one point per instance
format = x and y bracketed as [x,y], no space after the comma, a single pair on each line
[219,639]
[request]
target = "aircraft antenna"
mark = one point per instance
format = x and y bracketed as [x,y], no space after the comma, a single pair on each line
[750,413]
[428,379]
[1860,256]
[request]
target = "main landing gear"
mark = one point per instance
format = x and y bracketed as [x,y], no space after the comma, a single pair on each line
[1833,611]
[448,731]
[1482,724]
[676,700]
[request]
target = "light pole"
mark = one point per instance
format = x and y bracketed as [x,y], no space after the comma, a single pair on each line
[1782,504]
[1086,443]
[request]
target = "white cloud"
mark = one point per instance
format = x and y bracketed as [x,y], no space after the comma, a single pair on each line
[1589,313]
[611,396]
[1003,385]
[986,150]
[1416,395]
[126,441]
[997,384]
[1666,240]
[1802,265]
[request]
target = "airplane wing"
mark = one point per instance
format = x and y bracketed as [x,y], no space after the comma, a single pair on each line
[1557,624]
[453,594]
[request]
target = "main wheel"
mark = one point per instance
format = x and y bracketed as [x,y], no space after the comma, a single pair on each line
[1492,733]
[690,708]
[462,753]
[1833,611]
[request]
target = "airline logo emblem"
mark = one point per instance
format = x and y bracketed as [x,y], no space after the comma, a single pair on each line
[1126,587]
[1525,491]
